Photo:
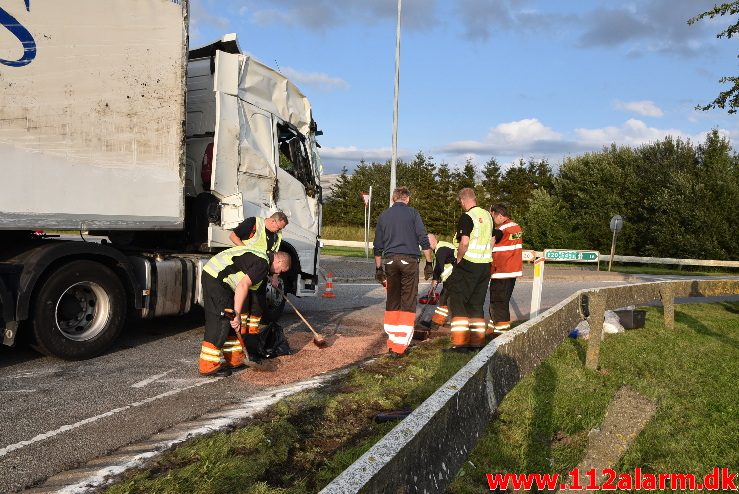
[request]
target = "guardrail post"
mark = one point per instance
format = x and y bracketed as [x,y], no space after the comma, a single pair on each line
[667,294]
[537,286]
[597,308]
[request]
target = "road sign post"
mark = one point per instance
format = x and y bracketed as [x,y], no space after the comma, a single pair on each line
[617,223]
[366,198]
[536,290]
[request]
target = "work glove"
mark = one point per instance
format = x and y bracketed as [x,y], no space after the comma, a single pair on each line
[428,269]
[380,276]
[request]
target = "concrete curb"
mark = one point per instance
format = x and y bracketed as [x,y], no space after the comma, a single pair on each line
[424,452]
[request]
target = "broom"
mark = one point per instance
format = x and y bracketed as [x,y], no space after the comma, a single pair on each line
[318,340]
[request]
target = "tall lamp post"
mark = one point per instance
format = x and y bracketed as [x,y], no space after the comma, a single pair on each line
[394,161]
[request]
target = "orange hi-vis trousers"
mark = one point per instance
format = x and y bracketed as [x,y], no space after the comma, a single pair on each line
[477,332]
[399,328]
[210,359]
[233,352]
[497,328]
[460,331]
[440,315]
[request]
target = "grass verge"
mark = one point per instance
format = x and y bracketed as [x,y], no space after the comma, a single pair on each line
[691,373]
[331,250]
[339,232]
[303,442]
[675,271]
[300,444]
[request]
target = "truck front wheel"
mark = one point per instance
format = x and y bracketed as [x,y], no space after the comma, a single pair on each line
[275,302]
[79,311]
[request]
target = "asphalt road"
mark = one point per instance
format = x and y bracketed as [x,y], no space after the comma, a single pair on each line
[59,415]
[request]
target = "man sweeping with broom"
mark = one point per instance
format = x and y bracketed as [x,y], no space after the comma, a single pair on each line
[446,258]
[231,279]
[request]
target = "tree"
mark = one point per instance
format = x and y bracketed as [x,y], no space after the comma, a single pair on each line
[442,218]
[731,95]
[546,224]
[595,186]
[490,185]
[465,177]
[342,201]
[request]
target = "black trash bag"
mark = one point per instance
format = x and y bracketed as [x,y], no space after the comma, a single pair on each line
[269,343]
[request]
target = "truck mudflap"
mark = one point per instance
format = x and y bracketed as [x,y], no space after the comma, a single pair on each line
[8,280]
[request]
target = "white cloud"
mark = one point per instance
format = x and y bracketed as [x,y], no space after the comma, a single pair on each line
[645,108]
[510,138]
[315,79]
[528,129]
[632,133]
[529,138]
[353,153]
[523,139]
[334,158]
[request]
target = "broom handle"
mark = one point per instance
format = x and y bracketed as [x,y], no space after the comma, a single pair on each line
[298,312]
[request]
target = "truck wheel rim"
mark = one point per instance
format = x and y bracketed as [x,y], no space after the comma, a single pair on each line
[82,311]
[274,298]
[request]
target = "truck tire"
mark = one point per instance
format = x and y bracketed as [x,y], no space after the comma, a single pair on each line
[79,311]
[275,303]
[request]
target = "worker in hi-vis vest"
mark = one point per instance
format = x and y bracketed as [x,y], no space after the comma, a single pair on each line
[231,280]
[263,234]
[507,266]
[468,283]
[446,257]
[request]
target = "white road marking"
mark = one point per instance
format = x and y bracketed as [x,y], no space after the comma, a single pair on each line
[180,381]
[46,435]
[151,379]
[23,375]
[216,421]
[19,391]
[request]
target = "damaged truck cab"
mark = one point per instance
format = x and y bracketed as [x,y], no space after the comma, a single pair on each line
[251,149]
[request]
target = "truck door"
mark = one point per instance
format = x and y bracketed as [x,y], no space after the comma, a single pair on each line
[244,152]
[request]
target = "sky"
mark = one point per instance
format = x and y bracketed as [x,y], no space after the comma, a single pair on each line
[481,79]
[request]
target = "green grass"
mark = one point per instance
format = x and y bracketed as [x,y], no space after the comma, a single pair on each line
[331,250]
[303,442]
[663,269]
[691,373]
[338,232]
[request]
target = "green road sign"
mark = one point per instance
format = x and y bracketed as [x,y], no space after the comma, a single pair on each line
[571,255]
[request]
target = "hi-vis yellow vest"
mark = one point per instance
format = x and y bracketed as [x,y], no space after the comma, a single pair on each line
[479,250]
[258,241]
[448,266]
[219,262]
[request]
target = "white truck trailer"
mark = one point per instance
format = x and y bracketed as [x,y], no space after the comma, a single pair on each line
[139,156]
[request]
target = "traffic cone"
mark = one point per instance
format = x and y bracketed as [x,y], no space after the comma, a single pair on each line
[329,291]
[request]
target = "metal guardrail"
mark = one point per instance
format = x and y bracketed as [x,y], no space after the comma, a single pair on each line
[671,260]
[602,257]
[424,452]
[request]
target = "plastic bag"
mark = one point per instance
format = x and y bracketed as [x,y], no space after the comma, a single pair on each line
[611,325]
[269,343]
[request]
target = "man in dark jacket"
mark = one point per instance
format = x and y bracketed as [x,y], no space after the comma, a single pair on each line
[399,233]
